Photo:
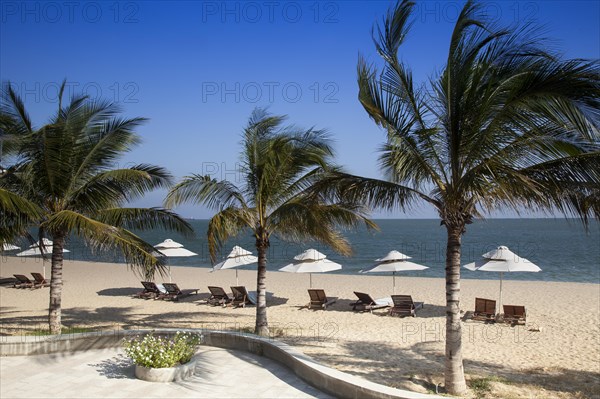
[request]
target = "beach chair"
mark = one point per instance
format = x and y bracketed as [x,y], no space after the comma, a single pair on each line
[174,293]
[404,306]
[218,296]
[150,291]
[40,281]
[241,297]
[366,302]
[485,310]
[22,281]
[318,299]
[514,314]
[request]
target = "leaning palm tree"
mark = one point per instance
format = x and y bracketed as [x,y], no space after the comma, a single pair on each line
[506,124]
[66,168]
[279,167]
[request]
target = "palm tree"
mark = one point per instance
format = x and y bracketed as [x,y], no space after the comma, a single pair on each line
[506,124]
[279,167]
[66,168]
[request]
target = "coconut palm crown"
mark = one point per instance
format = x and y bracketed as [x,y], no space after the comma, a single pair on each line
[66,172]
[506,125]
[279,166]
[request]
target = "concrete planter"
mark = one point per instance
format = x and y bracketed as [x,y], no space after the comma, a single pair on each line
[167,374]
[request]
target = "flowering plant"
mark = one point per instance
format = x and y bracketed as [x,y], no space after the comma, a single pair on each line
[155,351]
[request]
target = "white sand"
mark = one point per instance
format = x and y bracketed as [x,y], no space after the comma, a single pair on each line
[561,360]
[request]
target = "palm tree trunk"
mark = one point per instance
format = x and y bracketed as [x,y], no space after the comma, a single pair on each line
[54,313]
[454,373]
[262,325]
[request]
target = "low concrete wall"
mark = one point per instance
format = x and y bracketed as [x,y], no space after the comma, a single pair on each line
[324,378]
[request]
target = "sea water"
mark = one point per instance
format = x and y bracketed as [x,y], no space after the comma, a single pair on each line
[563,249]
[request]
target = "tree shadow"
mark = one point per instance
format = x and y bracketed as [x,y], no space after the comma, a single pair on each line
[117,367]
[422,365]
[273,300]
[7,281]
[345,305]
[124,291]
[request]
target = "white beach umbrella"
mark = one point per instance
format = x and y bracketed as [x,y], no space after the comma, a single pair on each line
[393,262]
[9,247]
[502,260]
[176,252]
[237,257]
[168,243]
[311,261]
[172,249]
[34,250]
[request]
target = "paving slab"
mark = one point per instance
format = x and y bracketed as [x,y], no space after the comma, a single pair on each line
[108,373]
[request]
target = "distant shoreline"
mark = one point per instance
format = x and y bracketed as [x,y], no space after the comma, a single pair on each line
[561,334]
[249,269]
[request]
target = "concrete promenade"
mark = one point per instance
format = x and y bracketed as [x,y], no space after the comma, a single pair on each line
[108,373]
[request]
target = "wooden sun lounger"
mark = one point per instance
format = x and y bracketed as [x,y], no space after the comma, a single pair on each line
[40,281]
[174,293]
[218,296]
[241,297]
[150,291]
[22,281]
[318,299]
[514,314]
[366,302]
[404,306]
[485,310]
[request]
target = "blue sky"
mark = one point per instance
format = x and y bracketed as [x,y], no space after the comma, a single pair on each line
[197,69]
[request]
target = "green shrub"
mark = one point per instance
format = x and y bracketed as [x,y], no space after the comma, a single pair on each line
[155,351]
[64,331]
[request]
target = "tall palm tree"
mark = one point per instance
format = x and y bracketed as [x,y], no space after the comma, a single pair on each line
[66,168]
[279,166]
[506,124]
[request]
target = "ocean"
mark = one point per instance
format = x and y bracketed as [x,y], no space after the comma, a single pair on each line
[560,247]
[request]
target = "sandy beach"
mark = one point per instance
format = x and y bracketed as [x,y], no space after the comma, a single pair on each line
[557,354]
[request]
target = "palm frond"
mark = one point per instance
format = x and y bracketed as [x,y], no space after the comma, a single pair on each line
[302,219]
[105,142]
[16,214]
[336,185]
[394,104]
[145,219]
[393,30]
[140,255]
[13,109]
[114,187]
[226,224]
[205,190]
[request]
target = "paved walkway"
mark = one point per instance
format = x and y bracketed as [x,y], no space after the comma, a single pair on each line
[108,373]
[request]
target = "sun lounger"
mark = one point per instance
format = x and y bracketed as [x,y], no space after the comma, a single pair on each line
[404,306]
[365,302]
[150,291]
[40,281]
[241,297]
[174,293]
[318,299]
[22,281]
[485,310]
[514,314]
[218,296]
